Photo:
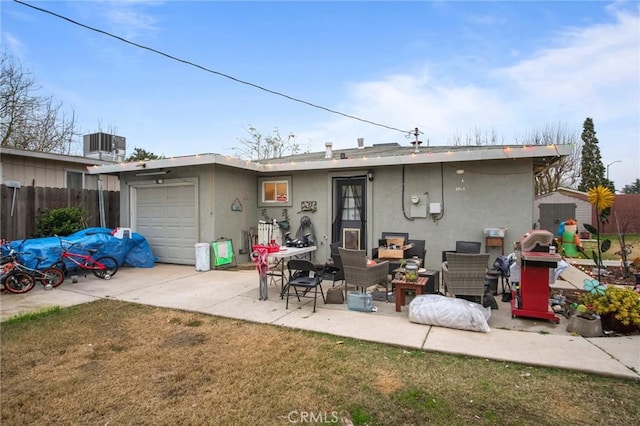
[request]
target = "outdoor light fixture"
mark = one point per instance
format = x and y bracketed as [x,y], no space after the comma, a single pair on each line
[613,162]
[370,175]
[153,173]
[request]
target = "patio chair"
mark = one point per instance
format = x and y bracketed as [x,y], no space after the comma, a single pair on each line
[463,274]
[335,272]
[463,247]
[303,275]
[358,274]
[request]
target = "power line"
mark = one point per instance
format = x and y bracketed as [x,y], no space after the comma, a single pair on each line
[184,61]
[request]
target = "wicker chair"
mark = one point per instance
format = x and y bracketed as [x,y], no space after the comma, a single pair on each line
[358,274]
[463,274]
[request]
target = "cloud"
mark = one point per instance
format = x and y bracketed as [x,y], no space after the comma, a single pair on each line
[591,71]
[128,18]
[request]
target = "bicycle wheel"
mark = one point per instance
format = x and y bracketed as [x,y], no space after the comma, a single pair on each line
[111,267]
[19,282]
[52,276]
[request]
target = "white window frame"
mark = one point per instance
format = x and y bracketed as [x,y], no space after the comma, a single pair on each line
[283,199]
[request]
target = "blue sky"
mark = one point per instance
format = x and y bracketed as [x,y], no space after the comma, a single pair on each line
[450,68]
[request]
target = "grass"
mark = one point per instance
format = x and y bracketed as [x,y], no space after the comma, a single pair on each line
[111,362]
[633,239]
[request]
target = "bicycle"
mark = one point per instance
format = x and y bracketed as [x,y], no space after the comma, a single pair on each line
[103,267]
[16,282]
[50,277]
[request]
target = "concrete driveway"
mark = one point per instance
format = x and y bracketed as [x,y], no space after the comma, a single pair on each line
[234,294]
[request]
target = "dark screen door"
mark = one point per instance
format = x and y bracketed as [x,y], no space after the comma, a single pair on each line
[349,212]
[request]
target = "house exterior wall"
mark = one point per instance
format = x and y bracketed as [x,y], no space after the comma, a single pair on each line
[489,194]
[493,196]
[583,208]
[217,188]
[41,172]
[217,218]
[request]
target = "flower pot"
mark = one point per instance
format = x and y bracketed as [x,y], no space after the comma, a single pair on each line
[585,327]
[611,323]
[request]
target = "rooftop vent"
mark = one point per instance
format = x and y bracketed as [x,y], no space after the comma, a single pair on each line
[328,153]
[360,143]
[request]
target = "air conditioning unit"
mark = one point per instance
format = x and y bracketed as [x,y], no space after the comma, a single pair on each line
[104,146]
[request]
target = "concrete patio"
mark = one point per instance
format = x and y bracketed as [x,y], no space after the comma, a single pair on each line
[234,294]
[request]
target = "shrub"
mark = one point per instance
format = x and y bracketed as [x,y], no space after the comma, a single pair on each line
[623,303]
[63,221]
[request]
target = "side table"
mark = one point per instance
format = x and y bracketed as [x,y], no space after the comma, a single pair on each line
[402,286]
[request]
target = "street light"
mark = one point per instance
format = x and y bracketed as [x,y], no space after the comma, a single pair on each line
[613,162]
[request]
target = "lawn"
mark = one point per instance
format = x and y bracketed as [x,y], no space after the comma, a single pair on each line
[114,363]
[632,239]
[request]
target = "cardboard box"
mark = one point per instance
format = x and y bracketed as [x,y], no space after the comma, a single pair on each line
[384,253]
[395,253]
[395,242]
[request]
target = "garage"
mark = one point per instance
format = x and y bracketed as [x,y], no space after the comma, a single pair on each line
[165,214]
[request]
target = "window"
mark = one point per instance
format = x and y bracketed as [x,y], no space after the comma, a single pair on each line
[352,201]
[74,180]
[275,191]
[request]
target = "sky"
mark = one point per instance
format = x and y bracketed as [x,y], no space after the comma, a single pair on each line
[452,69]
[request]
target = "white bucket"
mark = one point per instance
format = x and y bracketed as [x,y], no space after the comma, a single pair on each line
[202,257]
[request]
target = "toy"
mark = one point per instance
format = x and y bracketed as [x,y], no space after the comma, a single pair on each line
[569,239]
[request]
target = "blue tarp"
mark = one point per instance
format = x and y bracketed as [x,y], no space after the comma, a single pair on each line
[134,251]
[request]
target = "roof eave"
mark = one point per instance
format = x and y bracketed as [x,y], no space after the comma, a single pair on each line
[547,153]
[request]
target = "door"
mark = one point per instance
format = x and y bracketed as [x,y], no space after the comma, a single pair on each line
[166,216]
[551,215]
[349,224]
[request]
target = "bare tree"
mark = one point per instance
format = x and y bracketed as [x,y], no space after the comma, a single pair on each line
[260,147]
[28,120]
[563,173]
[478,137]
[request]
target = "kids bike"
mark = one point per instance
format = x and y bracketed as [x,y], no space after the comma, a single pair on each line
[14,274]
[103,267]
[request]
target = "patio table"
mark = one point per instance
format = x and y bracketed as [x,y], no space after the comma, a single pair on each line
[280,257]
[402,286]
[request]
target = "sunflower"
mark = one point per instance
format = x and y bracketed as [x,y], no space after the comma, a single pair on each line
[601,197]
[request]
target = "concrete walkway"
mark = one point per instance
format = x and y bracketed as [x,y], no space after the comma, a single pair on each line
[234,294]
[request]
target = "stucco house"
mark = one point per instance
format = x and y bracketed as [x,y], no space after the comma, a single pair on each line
[440,194]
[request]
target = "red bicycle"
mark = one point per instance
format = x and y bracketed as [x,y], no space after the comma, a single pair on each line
[103,267]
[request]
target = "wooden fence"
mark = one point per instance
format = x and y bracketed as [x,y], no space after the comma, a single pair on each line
[21,208]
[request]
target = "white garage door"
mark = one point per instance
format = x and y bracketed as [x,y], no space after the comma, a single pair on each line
[166,216]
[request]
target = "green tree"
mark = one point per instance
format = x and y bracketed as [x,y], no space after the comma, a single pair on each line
[28,120]
[261,147]
[633,188]
[591,167]
[140,154]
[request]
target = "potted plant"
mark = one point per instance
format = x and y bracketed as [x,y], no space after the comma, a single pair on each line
[618,307]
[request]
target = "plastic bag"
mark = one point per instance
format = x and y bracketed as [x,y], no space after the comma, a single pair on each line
[434,309]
